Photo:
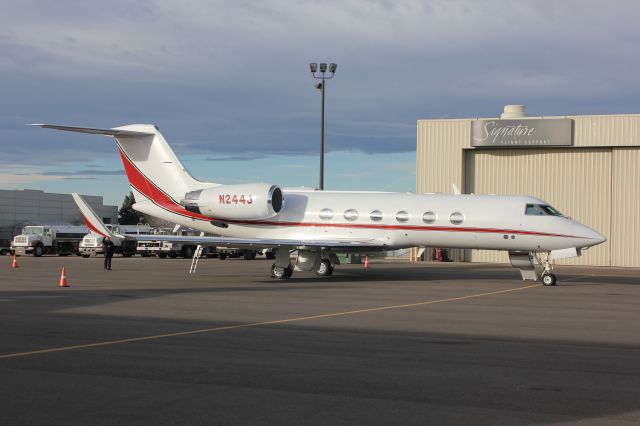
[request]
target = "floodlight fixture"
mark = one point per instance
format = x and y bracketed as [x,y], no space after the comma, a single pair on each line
[313,66]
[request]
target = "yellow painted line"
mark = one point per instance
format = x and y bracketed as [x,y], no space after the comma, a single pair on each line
[257,324]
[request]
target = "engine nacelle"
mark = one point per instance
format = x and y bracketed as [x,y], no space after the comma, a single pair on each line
[253,201]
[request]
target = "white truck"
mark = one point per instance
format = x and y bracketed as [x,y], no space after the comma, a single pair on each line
[91,244]
[155,246]
[37,240]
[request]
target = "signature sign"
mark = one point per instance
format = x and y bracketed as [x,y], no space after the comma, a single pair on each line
[522,133]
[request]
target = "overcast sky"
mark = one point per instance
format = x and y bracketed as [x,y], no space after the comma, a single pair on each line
[228,82]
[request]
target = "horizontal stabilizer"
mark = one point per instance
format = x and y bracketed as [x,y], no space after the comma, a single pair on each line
[94,131]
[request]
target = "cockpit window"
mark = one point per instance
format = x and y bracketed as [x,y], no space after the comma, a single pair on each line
[541,210]
[551,211]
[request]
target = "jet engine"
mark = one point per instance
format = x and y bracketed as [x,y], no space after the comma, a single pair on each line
[254,201]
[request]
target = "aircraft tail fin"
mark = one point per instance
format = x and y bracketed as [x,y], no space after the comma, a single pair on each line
[94,223]
[153,169]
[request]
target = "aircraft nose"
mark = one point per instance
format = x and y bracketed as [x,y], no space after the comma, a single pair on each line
[590,236]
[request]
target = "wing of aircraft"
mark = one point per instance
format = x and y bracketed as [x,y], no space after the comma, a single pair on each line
[96,225]
[91,218]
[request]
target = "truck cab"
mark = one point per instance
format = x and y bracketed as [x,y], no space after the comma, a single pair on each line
[91,244]
[33,240]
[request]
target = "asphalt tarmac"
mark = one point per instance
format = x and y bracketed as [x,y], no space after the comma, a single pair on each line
[399,343]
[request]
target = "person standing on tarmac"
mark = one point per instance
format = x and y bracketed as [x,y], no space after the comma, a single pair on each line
[108,248]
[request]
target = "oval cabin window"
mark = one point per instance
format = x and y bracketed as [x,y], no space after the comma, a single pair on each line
[375,215]
[326,214]
[456,218]
[429,217]
[351,214]
[402,216]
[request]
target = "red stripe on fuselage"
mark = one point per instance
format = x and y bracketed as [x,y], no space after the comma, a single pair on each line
[153,192]
[164,201]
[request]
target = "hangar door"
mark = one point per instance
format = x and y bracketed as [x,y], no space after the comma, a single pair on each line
[575,181]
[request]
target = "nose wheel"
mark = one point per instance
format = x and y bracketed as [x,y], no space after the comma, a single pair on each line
[548,279]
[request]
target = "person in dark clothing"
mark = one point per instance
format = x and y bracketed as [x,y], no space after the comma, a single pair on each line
[108,248]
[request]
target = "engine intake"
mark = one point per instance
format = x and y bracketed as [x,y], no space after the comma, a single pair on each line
[236,202]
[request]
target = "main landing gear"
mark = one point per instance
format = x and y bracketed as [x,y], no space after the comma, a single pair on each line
[307,260]
[324,269]
[281,272]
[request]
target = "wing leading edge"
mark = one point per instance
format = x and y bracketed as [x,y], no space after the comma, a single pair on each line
[264,242]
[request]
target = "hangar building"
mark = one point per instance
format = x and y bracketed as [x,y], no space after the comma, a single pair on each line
[587,166]
[19,208]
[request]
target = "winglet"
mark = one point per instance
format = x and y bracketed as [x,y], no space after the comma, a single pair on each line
[456,190]
[91,218]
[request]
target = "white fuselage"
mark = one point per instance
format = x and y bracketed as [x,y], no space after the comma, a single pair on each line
[488,221]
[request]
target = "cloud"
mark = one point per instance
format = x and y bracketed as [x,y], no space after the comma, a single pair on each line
[86,172]
[9,181]
[232,78]
[240,157]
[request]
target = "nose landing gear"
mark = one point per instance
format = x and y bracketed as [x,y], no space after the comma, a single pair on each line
[529,266]
[548,279]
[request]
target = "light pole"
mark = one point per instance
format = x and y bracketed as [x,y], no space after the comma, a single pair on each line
[321,76]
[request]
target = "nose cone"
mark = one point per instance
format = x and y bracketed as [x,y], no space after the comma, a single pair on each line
[589,237]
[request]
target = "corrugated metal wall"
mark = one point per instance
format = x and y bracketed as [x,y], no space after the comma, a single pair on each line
[597,172]
[607,130]
[625,217]
[576,181]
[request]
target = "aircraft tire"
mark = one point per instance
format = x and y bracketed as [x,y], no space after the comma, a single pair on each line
[280,273]
[548,279]
[324,268]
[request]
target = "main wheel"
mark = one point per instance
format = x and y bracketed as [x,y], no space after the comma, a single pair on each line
[548,279]
[280,272]
[324,268]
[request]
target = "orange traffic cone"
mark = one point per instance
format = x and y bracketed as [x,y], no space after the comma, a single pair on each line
[15,262]
[63,278]
[366,262]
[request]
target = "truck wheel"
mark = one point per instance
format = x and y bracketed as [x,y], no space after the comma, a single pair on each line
[162,255]
[222,256]
[38,251]
[247,255]
[187,252]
